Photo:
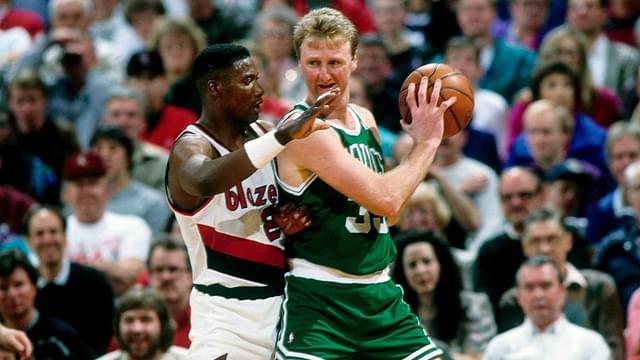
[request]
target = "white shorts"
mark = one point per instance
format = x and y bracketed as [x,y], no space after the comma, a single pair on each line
[243,329]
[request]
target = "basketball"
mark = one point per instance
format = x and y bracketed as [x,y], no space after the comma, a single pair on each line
[454,83]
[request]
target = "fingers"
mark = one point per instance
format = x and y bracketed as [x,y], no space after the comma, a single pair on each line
[423,89]
[327,97]
[411,96]
[435,94]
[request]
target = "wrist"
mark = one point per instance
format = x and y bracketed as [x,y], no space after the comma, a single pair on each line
[282,136]
[262,150]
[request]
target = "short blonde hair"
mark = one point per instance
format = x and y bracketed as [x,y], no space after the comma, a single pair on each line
[186,27]
[325,23]
[426,193]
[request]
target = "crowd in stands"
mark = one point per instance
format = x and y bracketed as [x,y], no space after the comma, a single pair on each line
[543,187]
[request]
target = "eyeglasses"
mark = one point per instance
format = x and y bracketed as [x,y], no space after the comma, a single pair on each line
[524,195]
[158,270]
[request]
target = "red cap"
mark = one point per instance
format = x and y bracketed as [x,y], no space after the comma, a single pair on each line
[81,164]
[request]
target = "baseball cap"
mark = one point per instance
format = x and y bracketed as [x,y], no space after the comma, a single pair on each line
[145,62]
[83,164]
[574,170]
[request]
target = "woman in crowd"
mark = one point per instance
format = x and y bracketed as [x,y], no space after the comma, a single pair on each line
[432,285]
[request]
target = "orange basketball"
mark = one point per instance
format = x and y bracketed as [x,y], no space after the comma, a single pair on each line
[454,83]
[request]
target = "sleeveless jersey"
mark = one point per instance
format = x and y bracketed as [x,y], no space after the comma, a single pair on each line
[235,247]
[343,235]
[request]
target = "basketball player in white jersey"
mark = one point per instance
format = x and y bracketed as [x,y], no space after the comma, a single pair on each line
[221,188]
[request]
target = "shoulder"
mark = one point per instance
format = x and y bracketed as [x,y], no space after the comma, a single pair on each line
[176,353]
[365,115]
[597,278]
[114,355]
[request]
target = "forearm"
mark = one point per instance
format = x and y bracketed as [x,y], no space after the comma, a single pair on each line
[462,209]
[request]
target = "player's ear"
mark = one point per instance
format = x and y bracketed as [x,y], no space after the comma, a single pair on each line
[213,87]
[354,63]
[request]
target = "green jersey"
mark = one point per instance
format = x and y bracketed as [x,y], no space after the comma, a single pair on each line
[343,234]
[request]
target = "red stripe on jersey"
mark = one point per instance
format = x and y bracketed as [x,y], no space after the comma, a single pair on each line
[241,248]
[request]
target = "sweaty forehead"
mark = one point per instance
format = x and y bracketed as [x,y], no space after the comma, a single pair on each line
[335,44]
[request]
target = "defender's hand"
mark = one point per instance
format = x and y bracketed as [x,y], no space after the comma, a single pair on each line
[290,219]
[306,123]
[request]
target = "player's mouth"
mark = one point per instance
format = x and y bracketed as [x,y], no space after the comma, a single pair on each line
[324,88]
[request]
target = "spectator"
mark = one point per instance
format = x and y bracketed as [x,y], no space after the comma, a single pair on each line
[26,19]
[77,294]
[556,83]
[406,49]
[143,328]
[612,211]
[38,133]
[128,196]
[432,285]
[115,244]
[125,109]
[475,179]
[570,47]
[51,338]
[178,42]
[25,172]
[170,275]
[505,67]
[526,26]
[80,93]
[490,108]
[619,252]
[141,16]
[546,333]
[612,64]
[592,300]
[146,74]
[499,257]
[280,75]
[218,26]
[357,11]
[381,82]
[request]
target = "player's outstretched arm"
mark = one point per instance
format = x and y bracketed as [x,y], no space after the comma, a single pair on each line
[202,172]
[381,194]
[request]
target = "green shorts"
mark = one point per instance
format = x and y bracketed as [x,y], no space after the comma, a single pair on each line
[327,320]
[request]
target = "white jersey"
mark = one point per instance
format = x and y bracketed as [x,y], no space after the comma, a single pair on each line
[236,249]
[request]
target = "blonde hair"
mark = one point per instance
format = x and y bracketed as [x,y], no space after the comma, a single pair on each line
[325,23]
[426,193]
[549,50]
[186,27]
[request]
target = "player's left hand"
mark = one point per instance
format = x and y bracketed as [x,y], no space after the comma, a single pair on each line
[307,123]
[290,219]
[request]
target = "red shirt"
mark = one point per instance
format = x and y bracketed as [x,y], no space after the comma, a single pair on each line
[26,19]
[172,121]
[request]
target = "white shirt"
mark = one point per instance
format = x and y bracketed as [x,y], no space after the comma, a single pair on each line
[173,353]
[114,237]
[490,114]
[561,340]
[598,61]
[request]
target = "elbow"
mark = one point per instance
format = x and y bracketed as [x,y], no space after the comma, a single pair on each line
[389,206]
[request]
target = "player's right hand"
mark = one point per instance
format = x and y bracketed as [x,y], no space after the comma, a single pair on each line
[430,127]
[306,123]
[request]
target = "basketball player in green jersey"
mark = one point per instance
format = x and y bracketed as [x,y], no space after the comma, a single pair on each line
[340,302]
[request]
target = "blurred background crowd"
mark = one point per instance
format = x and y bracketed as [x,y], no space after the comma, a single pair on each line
[93,93]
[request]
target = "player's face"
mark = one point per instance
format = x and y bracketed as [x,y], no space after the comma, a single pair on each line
[170,275]
[519,196]
[547,238]
[540,294]
[623,152]
[46,237]
[242,93]
[140,331]
[17,294]
[327,64]
[558,89]
[28,106]
[421,267]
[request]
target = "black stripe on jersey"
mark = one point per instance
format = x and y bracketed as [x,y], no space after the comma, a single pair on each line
[245,269]
[241,292]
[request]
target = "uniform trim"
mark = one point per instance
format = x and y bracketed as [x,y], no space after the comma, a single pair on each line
[306,269]
[244,269]
[426,352]
[240,293]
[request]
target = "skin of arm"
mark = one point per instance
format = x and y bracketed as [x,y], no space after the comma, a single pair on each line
[461,206]
[382,194]
[201,172]
[15,341]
